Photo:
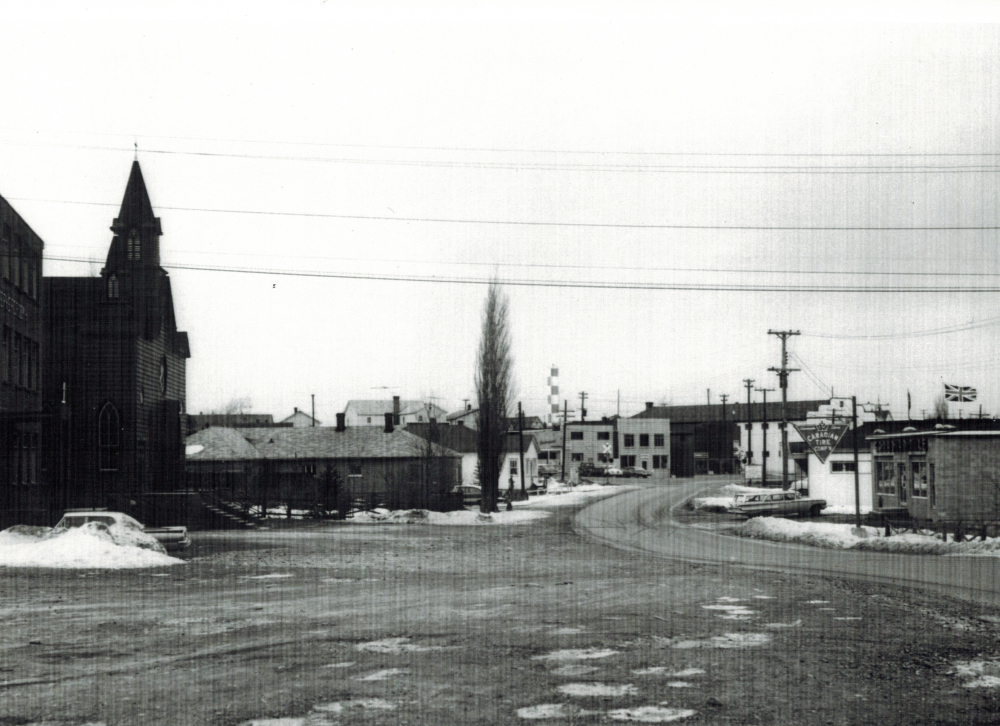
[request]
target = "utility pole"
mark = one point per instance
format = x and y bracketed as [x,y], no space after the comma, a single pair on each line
[748,382]
[857,486]
[583,404]
[708,396]
[783,382]
[313,408]
[520,445]
[565,424]
[726,455]
[763,455]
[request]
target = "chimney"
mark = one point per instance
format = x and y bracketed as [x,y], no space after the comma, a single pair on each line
[649,405]
[395,410]
[296,409]
[388,423]
[341,425]
[468,407]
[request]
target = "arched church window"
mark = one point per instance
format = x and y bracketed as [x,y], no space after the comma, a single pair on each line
[113,287]
[133,245]
[109,437]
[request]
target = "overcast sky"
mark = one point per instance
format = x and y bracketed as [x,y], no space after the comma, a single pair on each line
[607,157]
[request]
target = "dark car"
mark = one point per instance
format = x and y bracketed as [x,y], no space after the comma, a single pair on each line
[636,471]
[592,470]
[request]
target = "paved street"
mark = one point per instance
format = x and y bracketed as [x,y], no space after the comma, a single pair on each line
[640,520]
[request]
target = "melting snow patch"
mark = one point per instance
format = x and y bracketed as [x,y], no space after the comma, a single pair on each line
[574,670]
[567,631]
[92,546]
[796,624]
[577,654]
[276,722]
[726,640]
[550,710]
[729,599]
[650,714]
[662,670]
[763,597]
[343,664]
[733,612]
[382,675]
[817,602]
[272,576]
[395,645]
[847,618]
[983,674]
[598,689]
[679,684]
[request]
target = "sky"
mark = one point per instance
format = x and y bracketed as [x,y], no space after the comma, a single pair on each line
[656,186]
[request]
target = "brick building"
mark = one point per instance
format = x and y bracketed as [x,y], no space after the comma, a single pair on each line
[114,371]
[22,499]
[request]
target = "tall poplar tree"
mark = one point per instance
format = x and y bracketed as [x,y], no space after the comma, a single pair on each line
[493,389]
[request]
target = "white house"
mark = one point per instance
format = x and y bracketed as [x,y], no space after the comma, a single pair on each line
[301,420]
[371,412]
[512,464]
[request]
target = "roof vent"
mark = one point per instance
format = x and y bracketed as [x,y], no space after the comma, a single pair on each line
[908,429]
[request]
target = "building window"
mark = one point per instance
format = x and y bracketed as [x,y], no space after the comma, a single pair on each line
[163,375]
[629,439]
[919,471]
[884,481]
[108,437]
[628,460]
[643,439]
[113,287]
[658,440]
[133,246]
[576,435]
[901,480]
[840,467]
[513,467]
[577,457]
[369,419]
[604,436]
[354,470]
[660,461]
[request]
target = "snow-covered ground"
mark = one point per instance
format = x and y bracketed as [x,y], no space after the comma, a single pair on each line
[846,536]
[534,508]
[92,546]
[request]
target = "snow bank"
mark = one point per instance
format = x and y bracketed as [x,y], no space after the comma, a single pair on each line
[460,517]
[845,536]
[92,546]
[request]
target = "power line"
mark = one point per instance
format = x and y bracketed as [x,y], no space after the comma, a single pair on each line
[971,325]
[543,166]
[577,284]
[539,223]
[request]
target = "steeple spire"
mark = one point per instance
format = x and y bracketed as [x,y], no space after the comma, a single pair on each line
[136,210]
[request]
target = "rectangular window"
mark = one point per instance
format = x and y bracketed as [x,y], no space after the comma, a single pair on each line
[513,467]
[658,440]
[919,471]
[604,436]
[901,481]
[576,435]
[628,460]
[643,439]
[629,439]
[884,481]
[354,470]
[840,467]
[576,457]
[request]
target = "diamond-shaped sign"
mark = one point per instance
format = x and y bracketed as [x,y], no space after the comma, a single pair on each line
[822,437]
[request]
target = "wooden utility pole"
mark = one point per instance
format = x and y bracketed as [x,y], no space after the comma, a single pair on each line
[520,444]
[857,485]
[763,428]
[583,405]
[565,424]
[783,382]
[748,382]
[727,455]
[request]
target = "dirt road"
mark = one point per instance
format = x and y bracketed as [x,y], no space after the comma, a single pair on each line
[414,624]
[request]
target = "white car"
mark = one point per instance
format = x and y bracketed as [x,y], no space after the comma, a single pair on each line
[613,471]
[778,504]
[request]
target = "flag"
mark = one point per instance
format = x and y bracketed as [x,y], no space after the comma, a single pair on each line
[959,394]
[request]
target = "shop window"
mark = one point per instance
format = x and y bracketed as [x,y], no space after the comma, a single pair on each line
[918,470]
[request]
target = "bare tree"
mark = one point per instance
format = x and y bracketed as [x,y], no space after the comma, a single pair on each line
[493,389]
[940,407]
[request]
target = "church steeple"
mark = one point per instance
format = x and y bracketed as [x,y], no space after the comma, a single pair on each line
[137,230]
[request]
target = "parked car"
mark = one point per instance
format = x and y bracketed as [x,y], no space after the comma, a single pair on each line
[781,504]
[173,539]
[636,471]
[471,494]
[613,471]
[544,471]
[592,470]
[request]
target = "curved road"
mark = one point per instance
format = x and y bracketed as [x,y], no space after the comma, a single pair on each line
[640,520]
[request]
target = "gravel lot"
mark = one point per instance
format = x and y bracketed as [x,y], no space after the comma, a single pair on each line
[416,624]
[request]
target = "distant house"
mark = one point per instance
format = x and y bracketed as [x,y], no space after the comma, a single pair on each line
[301,419]
[511,469]
[464,417]
[380,464]
[369,412]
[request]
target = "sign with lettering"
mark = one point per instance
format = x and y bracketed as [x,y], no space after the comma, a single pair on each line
[822,437]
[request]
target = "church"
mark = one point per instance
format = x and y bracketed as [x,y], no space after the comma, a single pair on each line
[113,379]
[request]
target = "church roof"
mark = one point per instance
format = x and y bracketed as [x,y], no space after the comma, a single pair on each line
[136,209]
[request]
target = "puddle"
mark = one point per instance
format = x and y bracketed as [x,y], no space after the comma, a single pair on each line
[574,670]
[982,674]
[395,645]
[597,689]
[577,654]
[650,714]
[382,675]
